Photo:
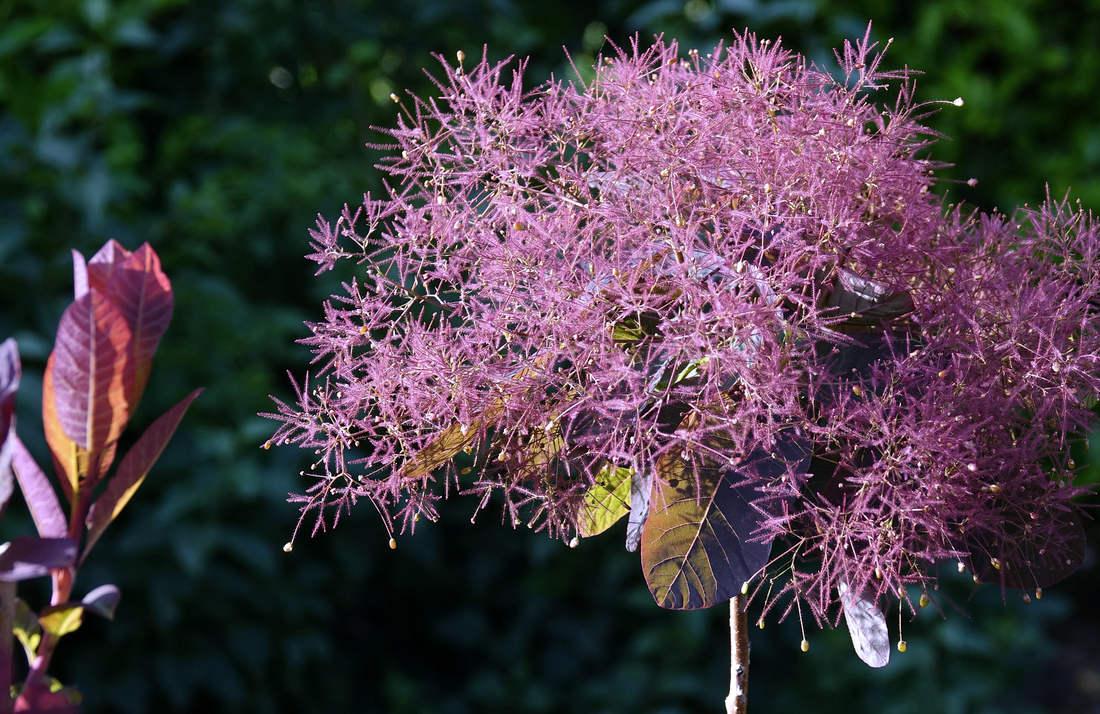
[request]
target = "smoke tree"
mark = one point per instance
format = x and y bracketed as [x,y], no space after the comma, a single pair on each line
[93,381]
[713,295]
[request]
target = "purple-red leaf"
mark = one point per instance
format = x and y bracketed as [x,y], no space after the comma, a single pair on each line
[37,492]
[80,276]
[103,601]
[133,469]
[70,461]
[30,557]
[10,371]
[90,363]
[141,291]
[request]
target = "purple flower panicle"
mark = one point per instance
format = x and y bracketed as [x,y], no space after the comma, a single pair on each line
[715,259]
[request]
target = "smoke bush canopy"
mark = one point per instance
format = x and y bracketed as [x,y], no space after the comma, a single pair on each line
[712,294]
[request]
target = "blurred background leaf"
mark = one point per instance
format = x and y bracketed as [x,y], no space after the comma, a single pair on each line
[216,131]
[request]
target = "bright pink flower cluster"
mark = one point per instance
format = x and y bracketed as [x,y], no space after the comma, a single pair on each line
[710,292]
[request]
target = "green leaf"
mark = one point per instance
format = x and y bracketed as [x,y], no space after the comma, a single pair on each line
[606,501]
[668,378]
[627,332]
[26,629]
[60,620]
[695,548]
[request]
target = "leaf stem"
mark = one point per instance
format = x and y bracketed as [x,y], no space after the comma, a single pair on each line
[7,634]
[737,702]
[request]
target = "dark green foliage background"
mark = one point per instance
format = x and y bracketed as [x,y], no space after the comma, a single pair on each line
[216,130]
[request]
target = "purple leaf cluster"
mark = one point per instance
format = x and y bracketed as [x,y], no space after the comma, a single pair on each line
[693,261]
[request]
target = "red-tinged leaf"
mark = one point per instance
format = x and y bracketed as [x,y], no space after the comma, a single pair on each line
[90,365]
[37,492]
[70,461]
[10,371]
[80,276]
[102,601]
[134,467]
[141,291]
[7,479]
[28,557]
[111,253]
[696,551]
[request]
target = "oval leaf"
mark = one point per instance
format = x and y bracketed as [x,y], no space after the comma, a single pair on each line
[10,371]
[90,364]
[695,547]
[136,285]
[70,461]
[37,492]
[867,626]
[606,501]
[133,468]
[103,601]
[28,557]
[61,620]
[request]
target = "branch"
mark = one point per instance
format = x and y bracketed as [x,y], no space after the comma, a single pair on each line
[738,700]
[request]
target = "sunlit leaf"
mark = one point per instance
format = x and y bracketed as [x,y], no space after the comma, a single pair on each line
[444,447]
[457,437]
[61,620]
[70,461]
[10,372]
[89,367]
[26,629]
[80,275]
[627,332]
[136,285]
[606,501]
[102,601]
[133,469]
[696,551]
[867,626]
[641,489]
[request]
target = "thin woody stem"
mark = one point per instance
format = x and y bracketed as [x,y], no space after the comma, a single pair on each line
[738,700]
